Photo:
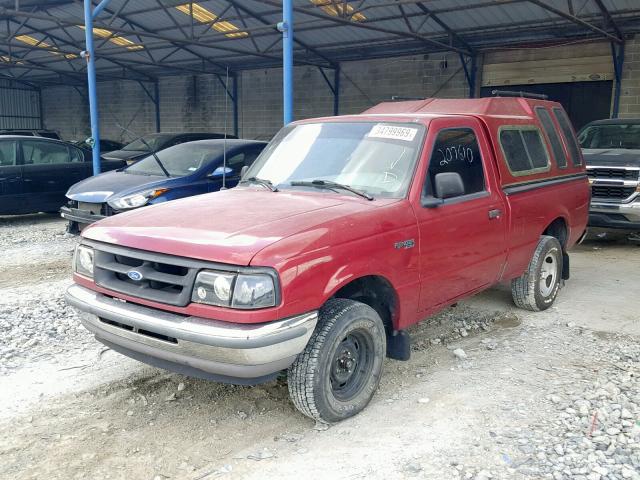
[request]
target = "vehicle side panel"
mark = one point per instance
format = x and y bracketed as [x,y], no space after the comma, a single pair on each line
[311,272]
[533,210]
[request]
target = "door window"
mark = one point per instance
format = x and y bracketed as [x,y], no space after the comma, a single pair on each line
[7,154]
[569,136]
[549,128]
[46,153]
[457,150]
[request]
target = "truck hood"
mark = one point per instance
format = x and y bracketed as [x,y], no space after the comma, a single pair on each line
[611,157]
[230,226]
[102,187]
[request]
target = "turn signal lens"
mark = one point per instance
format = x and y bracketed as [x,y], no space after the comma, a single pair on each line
[83,261]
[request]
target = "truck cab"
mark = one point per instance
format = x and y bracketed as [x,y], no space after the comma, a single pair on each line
[342,234]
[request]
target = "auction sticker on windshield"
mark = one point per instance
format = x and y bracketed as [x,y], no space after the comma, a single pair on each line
[393,133]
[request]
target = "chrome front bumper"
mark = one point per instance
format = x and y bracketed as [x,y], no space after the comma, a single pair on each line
[605,214]
[223,351]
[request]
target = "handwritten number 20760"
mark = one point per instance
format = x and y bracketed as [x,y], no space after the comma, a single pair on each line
[455,152]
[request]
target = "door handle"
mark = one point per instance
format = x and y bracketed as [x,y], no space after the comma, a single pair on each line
[495,213]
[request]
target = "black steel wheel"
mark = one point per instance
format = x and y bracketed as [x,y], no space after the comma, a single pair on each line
[337,374]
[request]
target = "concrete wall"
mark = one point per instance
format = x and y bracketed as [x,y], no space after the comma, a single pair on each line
[630,90]
[197,103]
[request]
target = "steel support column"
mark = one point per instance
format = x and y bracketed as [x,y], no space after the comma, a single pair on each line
[234,95]
[336,90]
[156,91]
[287,60]
[470,73]
[334,87]
[91,82]
[617,53]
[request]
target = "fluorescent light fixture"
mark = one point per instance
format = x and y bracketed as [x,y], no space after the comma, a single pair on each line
[203,15]
[37,43]
[115,39]
[339,9]
[6,59]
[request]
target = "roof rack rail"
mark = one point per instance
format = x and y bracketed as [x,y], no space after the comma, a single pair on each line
[398,98]
[510,93]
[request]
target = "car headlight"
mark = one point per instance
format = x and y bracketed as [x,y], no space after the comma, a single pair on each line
[242,290]
[83,261]
[136,200]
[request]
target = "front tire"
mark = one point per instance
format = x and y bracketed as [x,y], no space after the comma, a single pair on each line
[338,372]
[536,289]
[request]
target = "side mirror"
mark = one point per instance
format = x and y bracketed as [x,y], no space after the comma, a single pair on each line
[431,202]
[218,172]
[448,184]
[244,170]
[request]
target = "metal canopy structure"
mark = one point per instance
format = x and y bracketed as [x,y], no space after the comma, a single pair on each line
[144,39]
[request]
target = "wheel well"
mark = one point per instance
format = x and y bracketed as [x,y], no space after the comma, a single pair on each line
[558,229]
[376,292]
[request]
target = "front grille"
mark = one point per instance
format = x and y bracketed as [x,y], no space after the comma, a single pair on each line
[613,173]
[163,278]
[612,192]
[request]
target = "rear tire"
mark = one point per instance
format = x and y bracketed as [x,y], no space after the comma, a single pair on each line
[536,289]
[338,372]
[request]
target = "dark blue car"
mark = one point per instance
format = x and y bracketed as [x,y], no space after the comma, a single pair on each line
[180,171]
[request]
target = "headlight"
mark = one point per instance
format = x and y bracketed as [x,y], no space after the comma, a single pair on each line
[137,199]
[244,291]
[213,288]
[83,261]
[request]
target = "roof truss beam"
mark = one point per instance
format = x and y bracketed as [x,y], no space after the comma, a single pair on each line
[577,20]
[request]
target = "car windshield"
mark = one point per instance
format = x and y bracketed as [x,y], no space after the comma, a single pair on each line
[374,157]
[179,160]
[155,141]
[620,135]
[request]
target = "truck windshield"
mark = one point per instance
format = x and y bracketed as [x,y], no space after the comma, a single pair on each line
[377,158]
[620,135]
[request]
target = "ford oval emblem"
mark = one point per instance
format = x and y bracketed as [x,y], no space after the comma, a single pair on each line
[134,275]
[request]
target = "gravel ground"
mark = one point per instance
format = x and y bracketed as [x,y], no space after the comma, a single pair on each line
[491,392]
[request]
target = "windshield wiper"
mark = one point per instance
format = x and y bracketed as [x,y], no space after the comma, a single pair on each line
[164,170]
[261,181]
[331,186]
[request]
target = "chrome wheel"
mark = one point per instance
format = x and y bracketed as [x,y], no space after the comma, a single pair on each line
[548,274]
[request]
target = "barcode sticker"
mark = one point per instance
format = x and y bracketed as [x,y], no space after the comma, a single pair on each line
[392,132]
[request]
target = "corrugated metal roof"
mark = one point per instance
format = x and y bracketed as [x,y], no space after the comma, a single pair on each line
[175,43]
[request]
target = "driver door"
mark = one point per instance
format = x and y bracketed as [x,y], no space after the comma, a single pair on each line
[462,240]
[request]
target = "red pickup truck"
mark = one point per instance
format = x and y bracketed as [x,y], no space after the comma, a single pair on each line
[342,234]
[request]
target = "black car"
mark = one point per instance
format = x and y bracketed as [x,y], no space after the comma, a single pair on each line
[35,173]
[157,141]
[105,145]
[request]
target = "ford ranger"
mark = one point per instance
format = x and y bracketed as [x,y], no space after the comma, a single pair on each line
[343,233]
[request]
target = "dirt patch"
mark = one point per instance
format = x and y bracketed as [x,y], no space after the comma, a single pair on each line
[519,402]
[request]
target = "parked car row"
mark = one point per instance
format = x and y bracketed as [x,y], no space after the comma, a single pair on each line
[179,171]
[36,172]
